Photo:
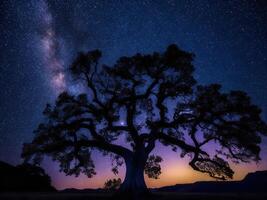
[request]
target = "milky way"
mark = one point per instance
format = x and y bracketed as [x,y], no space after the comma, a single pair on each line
[51,49]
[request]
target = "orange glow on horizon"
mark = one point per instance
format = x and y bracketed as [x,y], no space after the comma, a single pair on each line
[174,171]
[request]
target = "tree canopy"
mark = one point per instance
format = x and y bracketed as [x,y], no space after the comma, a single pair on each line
[157,99]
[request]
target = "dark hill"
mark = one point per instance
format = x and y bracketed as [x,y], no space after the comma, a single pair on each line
[253,183]
[22,178]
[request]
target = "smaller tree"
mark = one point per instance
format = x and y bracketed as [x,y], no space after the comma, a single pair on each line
[112,184]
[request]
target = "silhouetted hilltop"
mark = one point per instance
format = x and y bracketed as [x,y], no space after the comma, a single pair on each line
[253,183]
[256,177]
[256,181]
[23,177]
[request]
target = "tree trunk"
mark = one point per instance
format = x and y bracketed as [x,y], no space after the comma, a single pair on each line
[134,185]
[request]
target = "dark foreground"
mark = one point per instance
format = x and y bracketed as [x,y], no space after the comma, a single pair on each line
[156,196]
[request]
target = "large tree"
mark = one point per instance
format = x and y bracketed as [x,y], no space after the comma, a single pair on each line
[146,99]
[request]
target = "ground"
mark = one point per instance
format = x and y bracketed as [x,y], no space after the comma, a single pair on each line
[104,196]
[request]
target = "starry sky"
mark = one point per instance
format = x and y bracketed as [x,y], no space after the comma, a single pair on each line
[40,38]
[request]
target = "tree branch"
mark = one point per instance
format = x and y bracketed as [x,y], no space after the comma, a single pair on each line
[180,143]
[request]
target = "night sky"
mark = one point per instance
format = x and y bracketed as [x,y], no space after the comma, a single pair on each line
[39,39]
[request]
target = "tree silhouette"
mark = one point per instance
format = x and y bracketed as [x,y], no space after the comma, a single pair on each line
[147,98]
